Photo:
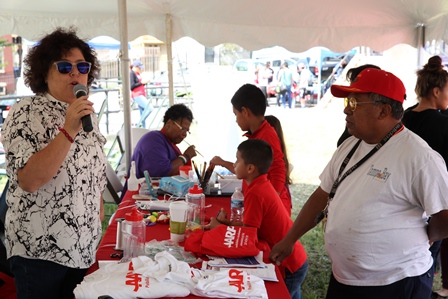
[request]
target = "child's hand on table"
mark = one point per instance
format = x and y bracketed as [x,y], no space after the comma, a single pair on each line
[221,218]
[213,223]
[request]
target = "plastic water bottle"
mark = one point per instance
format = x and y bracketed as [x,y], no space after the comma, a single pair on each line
[134,235]
[132,181]
[237,205]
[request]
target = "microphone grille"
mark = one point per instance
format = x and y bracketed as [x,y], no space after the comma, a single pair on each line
[78,88]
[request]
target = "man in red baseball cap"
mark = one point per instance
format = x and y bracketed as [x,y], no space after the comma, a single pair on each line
[368,96]
[376,81]
[376,194]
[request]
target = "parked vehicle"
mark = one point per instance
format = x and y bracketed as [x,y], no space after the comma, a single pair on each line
[330,60]
[244,70]
[248,65]
[5,106]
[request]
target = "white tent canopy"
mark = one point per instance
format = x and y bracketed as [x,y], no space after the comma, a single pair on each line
[253,24]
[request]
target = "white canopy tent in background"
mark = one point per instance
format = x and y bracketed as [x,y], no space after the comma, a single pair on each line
[252,24]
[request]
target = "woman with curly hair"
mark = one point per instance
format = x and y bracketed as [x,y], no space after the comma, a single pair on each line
[56,171]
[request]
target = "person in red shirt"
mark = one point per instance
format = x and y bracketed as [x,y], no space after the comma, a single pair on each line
[249,106]
[263,209]
[138,92]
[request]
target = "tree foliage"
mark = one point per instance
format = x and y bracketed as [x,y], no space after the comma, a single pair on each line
[3,43]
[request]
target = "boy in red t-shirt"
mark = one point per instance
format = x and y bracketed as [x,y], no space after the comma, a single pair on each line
[263,209]
[249,106]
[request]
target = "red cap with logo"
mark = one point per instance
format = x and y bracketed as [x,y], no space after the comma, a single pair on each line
[376,81]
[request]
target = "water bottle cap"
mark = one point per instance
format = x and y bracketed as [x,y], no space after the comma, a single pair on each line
[195,189]
[135,215]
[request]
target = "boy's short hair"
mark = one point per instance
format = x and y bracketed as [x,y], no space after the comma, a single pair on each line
[257,152]
[251,97]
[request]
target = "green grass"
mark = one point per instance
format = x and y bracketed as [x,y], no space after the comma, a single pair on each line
[109,209]
[319,265]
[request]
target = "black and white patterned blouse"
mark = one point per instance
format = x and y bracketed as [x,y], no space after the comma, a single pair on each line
[60,221]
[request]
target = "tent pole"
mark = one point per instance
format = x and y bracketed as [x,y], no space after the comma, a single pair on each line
[421,28]
[169,51]
[125,83]
[319,77]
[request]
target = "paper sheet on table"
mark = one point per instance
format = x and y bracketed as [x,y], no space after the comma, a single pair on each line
[244,262]
[267,273]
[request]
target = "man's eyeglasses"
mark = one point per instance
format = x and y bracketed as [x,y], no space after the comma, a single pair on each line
[182,129]
[65,67]
[352,103]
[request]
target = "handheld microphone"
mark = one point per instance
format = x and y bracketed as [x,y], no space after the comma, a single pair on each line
[81,90]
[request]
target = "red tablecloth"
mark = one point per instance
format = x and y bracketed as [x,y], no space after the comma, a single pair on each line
[161,232]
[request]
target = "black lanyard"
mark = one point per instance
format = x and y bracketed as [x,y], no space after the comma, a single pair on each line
[324,213]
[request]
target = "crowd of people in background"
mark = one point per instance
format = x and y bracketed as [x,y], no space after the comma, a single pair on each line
[289,85]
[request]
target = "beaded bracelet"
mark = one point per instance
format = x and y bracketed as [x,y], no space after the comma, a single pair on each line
[66,134]
[183,159]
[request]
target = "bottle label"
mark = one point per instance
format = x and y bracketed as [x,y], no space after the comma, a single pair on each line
[236,203]
[177,227]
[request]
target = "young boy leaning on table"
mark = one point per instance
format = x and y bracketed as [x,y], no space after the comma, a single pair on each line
[249,107]
[263,209]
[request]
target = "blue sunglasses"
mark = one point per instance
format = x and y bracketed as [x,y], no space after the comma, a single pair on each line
[65,67]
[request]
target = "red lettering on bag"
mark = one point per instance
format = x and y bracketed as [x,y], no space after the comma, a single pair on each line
[229,238]
[236,279]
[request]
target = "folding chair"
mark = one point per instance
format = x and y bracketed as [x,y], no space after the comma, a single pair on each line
[136,133]
[114,186]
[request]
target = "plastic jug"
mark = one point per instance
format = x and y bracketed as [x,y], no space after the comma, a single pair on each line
[196,208]
[134,235]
